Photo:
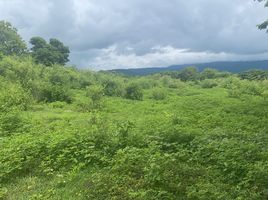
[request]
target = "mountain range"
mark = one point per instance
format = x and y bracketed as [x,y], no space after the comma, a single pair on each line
[230,66]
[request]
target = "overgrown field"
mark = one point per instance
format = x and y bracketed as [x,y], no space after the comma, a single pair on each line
[70,134]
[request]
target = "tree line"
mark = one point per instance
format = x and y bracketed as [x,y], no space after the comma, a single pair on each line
[43,52]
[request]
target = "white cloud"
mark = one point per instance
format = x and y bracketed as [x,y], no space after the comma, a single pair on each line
[111,58]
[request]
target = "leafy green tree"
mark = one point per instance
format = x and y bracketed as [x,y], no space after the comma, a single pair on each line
[42,52]
[263,25]
[50,53]
[11,42]
[61,51]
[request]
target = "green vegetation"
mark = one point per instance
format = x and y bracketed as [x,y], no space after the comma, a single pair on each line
[74,134]
[134,92]
[10,42]
[70,134]
[50,53]
[264,24]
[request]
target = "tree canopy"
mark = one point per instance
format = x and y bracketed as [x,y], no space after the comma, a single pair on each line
[50,53]
[264,25]
[11,42]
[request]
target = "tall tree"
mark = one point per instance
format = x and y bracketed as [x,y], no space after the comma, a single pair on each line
[61,51]
[11,42]
[42,52]
[50,53]
[263,25]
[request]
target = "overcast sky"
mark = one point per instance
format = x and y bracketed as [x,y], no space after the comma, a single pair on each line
[108,34]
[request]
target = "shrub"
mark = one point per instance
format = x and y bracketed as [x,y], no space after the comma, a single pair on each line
[189,74]
[13,96]
[208,83]
[265,94]
[172,83]
[208,74]
[252,88]
[10,122]
[95,92]
[20,70]
[51,93]
[237,87]
[158,94]
[264,84]
[230,82]
[65,76]
[113,88]
[134,92]
[254,75]
[146,83]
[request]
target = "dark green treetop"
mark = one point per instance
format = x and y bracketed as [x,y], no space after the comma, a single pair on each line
[263,25]
[50,53]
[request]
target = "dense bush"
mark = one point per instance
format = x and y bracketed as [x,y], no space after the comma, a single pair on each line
[145,83]
[169,82]
[254,75]
[159,94]
[134,92]
[11,122]
[95,93]
[208,74]
[113,88]
[13,100]
[13,97]
[237,87]
[48,92]
[208,83]
[265,94]
[20,70]
[188,74]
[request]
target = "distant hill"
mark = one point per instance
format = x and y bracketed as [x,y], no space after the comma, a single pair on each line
[235,67]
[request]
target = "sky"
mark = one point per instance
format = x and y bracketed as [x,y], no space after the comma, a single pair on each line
[110,34]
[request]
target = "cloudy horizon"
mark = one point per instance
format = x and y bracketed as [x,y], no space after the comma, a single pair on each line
[144,33]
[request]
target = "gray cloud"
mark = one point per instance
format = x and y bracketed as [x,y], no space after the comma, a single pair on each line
[142,33]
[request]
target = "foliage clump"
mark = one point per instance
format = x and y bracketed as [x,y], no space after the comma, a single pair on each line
[95,93]
[134,92]
[50,53]
[11,42]
[159,94]
[208,83]
[113,88]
